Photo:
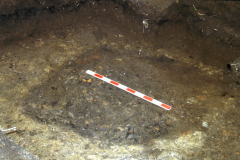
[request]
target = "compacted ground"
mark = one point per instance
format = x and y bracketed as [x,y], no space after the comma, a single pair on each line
[60,112]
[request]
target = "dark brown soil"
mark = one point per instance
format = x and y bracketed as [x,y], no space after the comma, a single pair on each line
[182,60]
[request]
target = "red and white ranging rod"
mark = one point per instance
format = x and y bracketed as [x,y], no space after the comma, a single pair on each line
[125,88]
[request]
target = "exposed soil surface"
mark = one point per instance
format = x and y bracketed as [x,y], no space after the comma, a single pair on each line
[61,112]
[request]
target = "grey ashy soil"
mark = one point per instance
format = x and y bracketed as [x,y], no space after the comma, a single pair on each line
[60,112]
[10,150]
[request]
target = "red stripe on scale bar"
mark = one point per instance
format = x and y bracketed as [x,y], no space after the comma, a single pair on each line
[130,90]
[98,75]
[136,93]
[166,106]
[115,83]
[147,98]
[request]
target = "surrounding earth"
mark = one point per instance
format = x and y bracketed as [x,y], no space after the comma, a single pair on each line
[184,55]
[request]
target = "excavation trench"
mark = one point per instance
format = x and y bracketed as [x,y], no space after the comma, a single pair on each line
[61,112]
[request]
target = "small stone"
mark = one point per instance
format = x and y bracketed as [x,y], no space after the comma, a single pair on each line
[89,98]
[104,127]
[47,70]
[156,127]
[205,124]
[119,59]
[120,128]
[84,91]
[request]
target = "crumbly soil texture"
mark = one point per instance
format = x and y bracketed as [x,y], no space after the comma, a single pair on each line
[60,112]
